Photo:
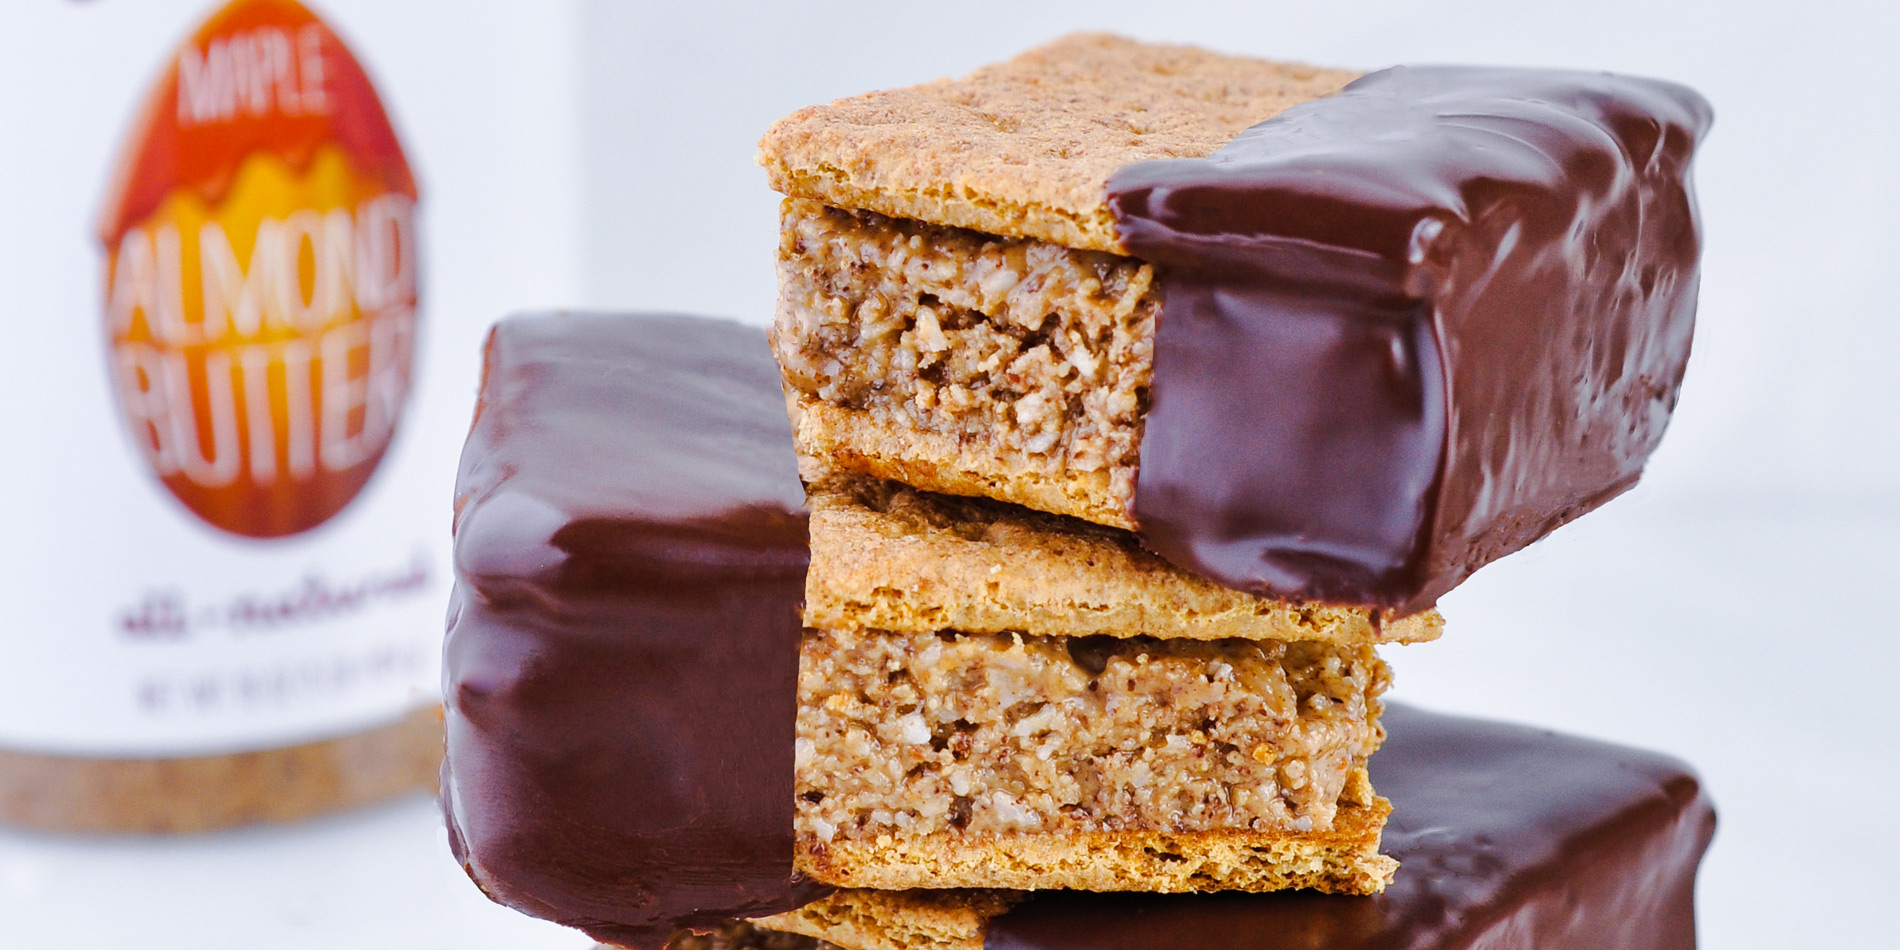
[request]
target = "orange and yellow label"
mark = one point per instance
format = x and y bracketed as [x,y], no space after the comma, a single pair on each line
[261,273]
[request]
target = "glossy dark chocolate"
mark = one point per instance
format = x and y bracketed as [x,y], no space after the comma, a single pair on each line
[620,671]
[1412,327]
[1508,838]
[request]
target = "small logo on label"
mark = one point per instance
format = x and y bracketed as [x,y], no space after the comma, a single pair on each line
[260,280]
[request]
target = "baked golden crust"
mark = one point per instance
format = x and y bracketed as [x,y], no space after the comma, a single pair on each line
[1025,148]
[745,935]
[888,557]
[896,920]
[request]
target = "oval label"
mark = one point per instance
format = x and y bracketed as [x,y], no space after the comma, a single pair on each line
[261,270]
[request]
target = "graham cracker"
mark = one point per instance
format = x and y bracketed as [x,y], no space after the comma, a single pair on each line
[888,557]
[1024,148]
[949,919]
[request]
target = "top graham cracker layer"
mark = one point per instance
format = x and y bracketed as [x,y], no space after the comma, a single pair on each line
[1025,148]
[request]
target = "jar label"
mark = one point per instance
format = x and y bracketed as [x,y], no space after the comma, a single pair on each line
[260,322]
[261,275]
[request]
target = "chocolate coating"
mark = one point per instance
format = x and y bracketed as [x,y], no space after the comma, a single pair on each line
[622,656]
[1412,327]
[1508,838]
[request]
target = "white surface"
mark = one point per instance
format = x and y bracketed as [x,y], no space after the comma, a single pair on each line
[377,879]
[1736,610]
[1758,643]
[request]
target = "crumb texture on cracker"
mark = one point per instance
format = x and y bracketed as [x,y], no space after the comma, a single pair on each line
[744,935]
[920,919]
[889,557]
[1024,148]
[1344,859]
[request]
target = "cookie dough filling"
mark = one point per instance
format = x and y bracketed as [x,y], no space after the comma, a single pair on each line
[1098,763]
[992,355]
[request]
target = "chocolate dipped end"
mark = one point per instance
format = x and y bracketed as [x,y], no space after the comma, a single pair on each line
[1508,838]
[621,663]
[1412,327]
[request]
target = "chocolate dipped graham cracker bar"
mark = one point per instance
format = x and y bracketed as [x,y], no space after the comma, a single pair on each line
[1309,334]
[643,734]
[622,656]
[1509,838]
[1512,838]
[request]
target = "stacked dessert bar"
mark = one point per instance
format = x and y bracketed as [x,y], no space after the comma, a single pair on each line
[1137,394]
[1002,688]
[1031,336]
[621,669]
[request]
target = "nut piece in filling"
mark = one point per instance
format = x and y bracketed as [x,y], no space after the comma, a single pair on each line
[1098,763]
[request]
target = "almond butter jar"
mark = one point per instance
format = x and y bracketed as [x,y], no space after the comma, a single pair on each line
[230,583]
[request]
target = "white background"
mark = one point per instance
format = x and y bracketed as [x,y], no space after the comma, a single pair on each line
[1736,609]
